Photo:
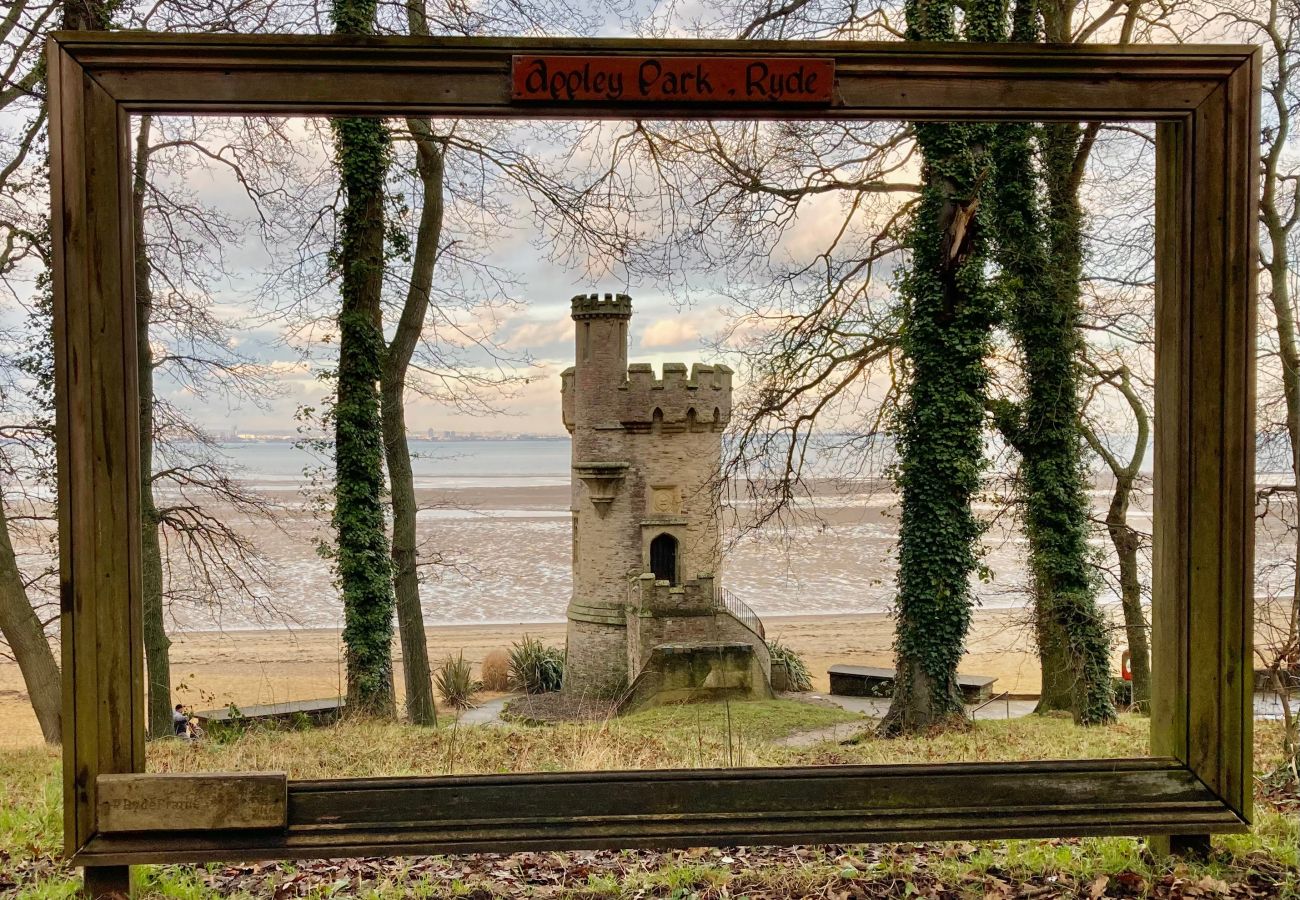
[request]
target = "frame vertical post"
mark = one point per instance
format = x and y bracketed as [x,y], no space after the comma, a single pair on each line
[1203,576]
[98,444]
[107,883]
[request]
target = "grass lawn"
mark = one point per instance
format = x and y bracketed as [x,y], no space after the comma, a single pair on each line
[1265,863]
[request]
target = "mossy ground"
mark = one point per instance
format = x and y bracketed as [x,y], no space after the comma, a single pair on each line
[1265,863]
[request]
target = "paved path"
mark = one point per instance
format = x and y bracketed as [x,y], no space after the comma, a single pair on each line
[1267,706]
[878,706]
[875,708]
[487,714]
[840,732]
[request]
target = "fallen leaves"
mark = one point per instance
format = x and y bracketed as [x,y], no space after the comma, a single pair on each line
[885,872]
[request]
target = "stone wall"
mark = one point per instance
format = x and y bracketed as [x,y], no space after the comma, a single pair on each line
[596,659]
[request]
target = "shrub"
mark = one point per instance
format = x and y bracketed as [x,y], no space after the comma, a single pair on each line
[1123,692]
[455,684]
[798,676]
[495,674]
[536,668]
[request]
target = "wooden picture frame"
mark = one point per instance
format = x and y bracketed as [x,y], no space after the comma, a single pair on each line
[1198,781]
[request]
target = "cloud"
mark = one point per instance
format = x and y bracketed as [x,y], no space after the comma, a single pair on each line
[532,334]
[675,332]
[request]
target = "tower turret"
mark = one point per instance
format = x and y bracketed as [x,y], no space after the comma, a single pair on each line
[600,367]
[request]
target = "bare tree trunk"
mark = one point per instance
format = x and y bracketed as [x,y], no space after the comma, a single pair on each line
[1136,626]
[1279,227]
[26,638]
[1124,538]
[420,708]
[157,645]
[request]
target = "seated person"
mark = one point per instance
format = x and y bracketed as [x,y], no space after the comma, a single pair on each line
[180,721]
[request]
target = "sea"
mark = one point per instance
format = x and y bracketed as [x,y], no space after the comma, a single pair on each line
[495,542]
[455,464]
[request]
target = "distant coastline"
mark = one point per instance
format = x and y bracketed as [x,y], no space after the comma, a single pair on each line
[432,435]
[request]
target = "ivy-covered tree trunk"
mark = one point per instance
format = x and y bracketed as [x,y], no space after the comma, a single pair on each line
[157,646]
[364,564]
[88,15]
[1040,255]
[417,676]
[1055,444]
[948,317]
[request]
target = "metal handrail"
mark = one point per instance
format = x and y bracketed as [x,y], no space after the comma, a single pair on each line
[740,610]
[1005,695]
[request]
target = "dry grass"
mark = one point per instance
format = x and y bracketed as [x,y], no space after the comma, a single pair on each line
[698,736]
[1261,864]
[669,737]
[495,671]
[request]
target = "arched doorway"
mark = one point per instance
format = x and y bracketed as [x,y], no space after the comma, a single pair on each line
[663,558]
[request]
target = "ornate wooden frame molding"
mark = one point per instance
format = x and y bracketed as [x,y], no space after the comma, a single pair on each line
[1205,101]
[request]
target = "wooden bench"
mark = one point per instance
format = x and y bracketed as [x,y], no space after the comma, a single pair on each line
[318,712]
[869,681]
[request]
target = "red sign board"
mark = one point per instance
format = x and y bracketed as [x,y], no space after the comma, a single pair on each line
[671,79]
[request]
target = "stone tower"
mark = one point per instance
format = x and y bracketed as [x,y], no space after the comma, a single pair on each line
[645,451]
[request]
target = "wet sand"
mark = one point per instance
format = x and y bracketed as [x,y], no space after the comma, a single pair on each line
[212,669]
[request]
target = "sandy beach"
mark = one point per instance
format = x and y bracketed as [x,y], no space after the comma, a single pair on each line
[212,669]
[497,517]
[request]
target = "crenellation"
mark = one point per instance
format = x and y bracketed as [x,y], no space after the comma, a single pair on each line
[701,377]
[674,376]
[637,396]
[584,306]
[640,378]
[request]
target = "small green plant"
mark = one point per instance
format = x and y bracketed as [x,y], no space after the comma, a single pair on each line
[455,683]
[536,668]
[799,677]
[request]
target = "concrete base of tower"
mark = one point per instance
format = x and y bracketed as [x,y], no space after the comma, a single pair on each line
[698,672]
[596,653]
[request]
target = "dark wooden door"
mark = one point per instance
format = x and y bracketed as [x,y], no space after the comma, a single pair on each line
[663,558]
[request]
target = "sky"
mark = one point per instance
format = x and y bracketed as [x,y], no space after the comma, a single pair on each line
[537,329]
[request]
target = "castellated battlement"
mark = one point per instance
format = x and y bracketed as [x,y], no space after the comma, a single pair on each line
[676,402]
[698,399]
[590,306]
